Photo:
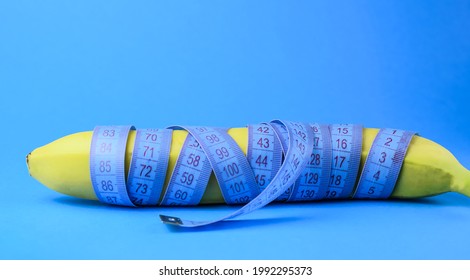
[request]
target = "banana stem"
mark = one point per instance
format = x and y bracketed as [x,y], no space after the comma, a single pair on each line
[463,185]
[466,188]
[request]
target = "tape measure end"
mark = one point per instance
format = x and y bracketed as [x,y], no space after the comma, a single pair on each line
[171,220]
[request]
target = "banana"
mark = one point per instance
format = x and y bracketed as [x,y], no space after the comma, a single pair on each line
[63,165]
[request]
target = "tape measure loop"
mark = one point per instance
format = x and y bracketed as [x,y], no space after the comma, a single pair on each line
[148,166]
[264,153]
[107,156]
[299,149]
[190,175]
[312,184]
[346,141]
[383,164]
[230,166]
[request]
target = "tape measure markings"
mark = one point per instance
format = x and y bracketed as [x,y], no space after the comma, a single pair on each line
[190,175]
[313,183]
[107,156]
[239,190]
[346,142]
[283,136]
[264,149]
[148,166]
[230,166]
[326,160]
[383,164]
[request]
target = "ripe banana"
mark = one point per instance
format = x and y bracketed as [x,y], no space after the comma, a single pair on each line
[63,165]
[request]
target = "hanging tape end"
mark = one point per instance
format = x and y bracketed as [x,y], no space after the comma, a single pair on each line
[171,220]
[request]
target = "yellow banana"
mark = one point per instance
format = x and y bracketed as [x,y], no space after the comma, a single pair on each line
[428,169]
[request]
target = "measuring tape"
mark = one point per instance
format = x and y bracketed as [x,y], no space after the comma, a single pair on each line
[346,140]
[107,155]
[264,153]
[300,147]
[148,167]
[314,181]
[283,136]
[231,168]
[190,175]
[285,161]
[383,164]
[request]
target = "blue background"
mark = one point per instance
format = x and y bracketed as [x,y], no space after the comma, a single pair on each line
[66,66]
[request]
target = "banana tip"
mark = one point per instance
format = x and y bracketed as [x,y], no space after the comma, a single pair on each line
[27,163]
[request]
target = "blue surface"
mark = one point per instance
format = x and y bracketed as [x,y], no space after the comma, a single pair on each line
[66,66]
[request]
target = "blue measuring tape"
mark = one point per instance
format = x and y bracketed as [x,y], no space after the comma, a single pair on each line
[300,148]
[149,164]
[264,153]
[314,181]
[107,155]
[231,168]
[383,164]
[285,161]
[190,175]
[283,136]
[346,140]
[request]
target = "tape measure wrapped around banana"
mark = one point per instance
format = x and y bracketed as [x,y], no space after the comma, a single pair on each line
[277,161]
